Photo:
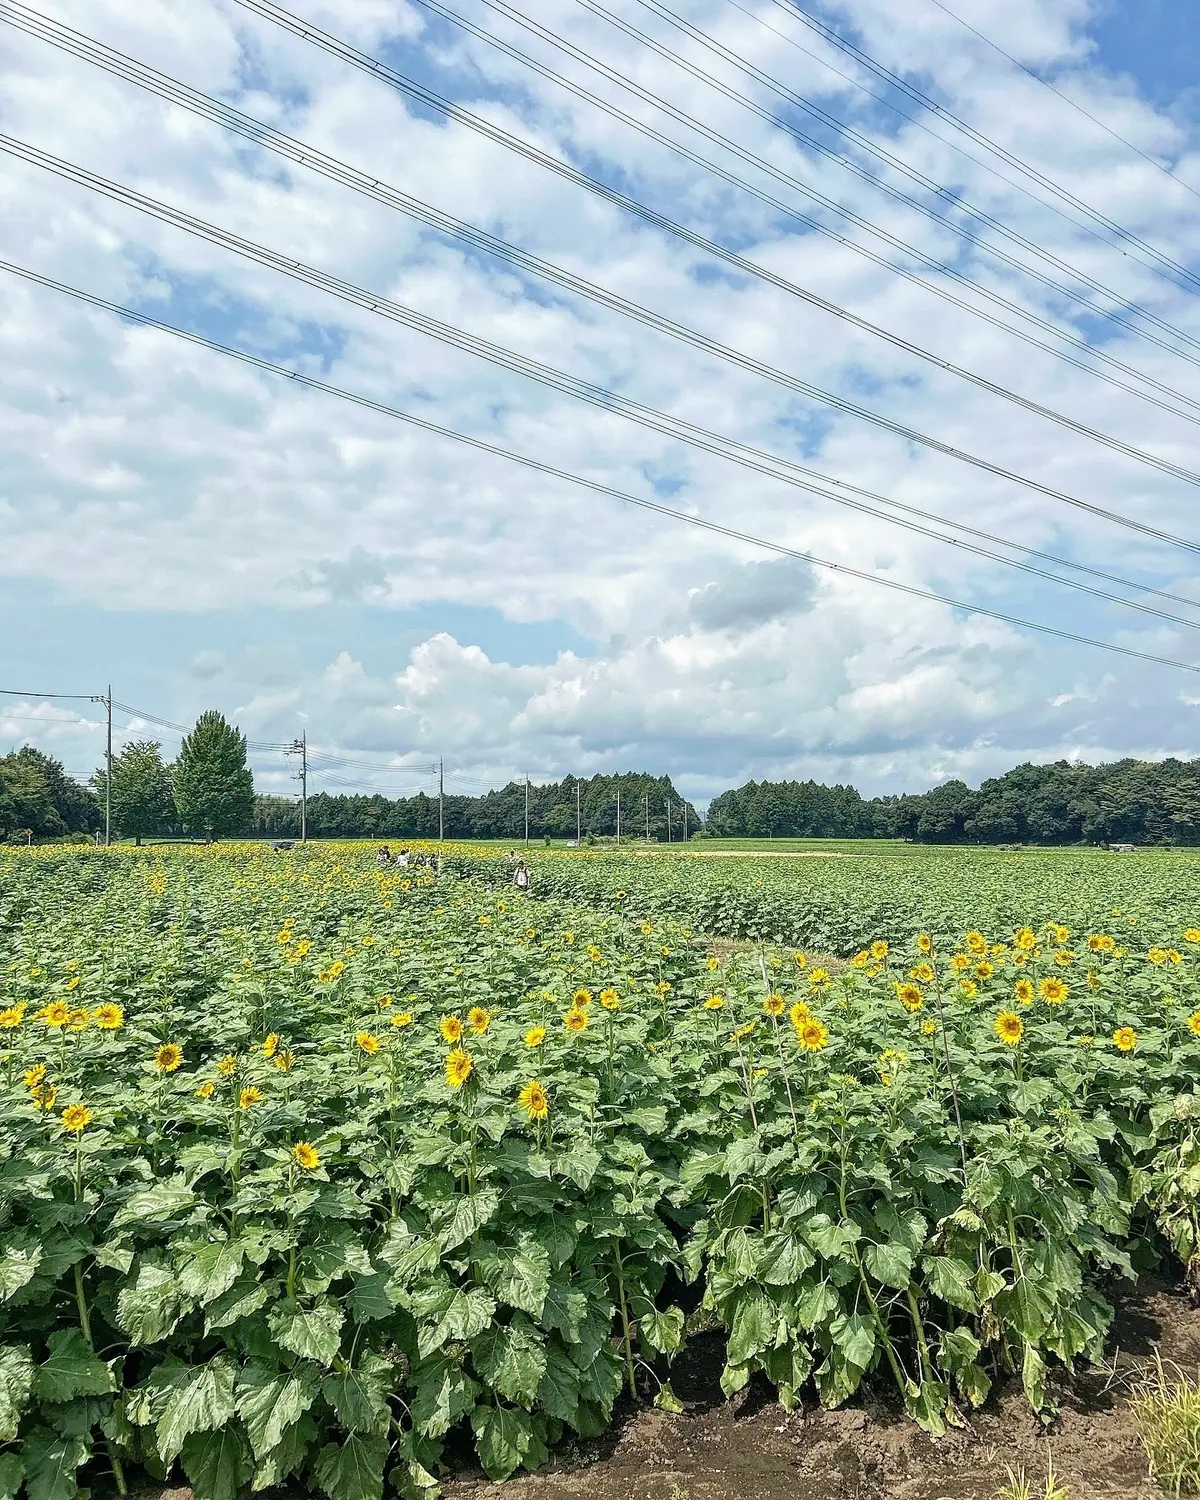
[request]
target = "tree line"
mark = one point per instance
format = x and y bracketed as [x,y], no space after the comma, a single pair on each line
[1124,801]
[208,791]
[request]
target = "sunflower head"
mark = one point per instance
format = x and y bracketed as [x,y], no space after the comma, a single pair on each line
[33,1076]
[581,999]
[812,1034]
[284,1060]
[479,1019]
[402,1018]
[56,1014]
[249,1097]
[924,943]
[879,950]
[168,1057]
[11,1016]
[534,1100]
[368,1042]
[535,1036]
[76,1118]
[1025,939]
[1125,1039]
[1194,1023]
[451,1029]
[715,1002]
[271,1044]
[910,996]
[575,1020]
[206,1090]
[227,1067]
[1009,1027]
[459,1066]
[610,1000]
[109,1017]
[1052,990]
[773,1005]
[306,1156]
[1023,990]
[976,943]
[712,963]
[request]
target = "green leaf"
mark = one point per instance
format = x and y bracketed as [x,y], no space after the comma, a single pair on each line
[445,1394]
[854,1337]
[202,1401]
[360,1398]
[470,1215]
[353,1468]
[520,1277]
[502,1439]
[287,1455]
[471,1310]
[149,1310]
[211,1270]
[755,1324]
[817,1304]
[558,1394]
[1033,1377]
[217,1464]
[241,1300]
[71,1369]
[12,1472]
[783,1259]
[950,1280]
[313,1334]
[19,1260]
[269,1403]
[156,1205]
[662,1331]
[566,1310]
[580,1164]
[511,1360]
[890,1263]
[734,1378]
[667,1400]
[51,1463]
[16,1384]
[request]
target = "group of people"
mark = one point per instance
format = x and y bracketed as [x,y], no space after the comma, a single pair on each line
[404,860]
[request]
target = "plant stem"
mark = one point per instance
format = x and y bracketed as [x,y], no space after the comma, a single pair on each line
[625,1321]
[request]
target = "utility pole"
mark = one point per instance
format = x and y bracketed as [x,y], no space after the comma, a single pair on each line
[527,809]
[646,800]
[618,812]
[441,798]
[667,801]
[300,747]
[684,821]
[108,773]
[578,824]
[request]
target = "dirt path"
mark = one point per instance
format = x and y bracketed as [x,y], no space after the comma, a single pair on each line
[749,1449]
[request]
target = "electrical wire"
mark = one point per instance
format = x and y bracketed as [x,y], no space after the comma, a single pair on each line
[1164,262]
[379,70]
[847,163]
[338,171]
[1066,98]
[692,122]
[537,465]
[75,697]
[733,451]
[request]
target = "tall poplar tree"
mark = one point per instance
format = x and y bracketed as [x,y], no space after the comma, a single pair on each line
[214,790]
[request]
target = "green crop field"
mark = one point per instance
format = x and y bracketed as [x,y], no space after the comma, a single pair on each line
[311,1171]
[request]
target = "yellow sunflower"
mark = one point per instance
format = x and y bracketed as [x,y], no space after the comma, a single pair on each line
[1009,1027]
[206,1090]
[534,1100]
[924,943]
[576,1021]
[1125,1039]
[1052,990]
[109,1017]
[1025,939]
[610,1000]
[714,1002]
[76,1118]
[249,1097]
[451,1029]
[773,1005]
[910,996]
[402,1018]
[879,950]
[367,1042]
[1023,990]
[812,1034]
[459,1066]
[479,1019]
[11,1017]
[306,1156]
[535,1036]
[168,1057]
[1194,1023]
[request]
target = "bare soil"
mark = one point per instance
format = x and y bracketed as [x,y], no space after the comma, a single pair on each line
[748,1447]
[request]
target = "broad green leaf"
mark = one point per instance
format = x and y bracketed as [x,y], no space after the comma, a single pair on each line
[520,1276]
[51,1463]
[12,1472]
[471,1310]
[287,1455]
[734,1378]
[754,1326]
[445,1394]
[353,1468]
[203,1402]
[313,1333]
[156,1205]
[783,1260]
[890,1263]
[661,1331]
[19,1260]
[950,1280]
[565,1310]
[854,1337]
[1033,1377]
[360,1398]
[470,1215]
[501,1439]
[211,1270]
[149,1310]
[242,1299]
[16,1384]
[511,1360]
[558,1394]
[217,1464]
[580,1164]
[268,1403]
[71,1369]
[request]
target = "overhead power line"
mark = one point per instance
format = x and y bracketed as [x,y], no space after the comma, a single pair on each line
[593,486]
[1104,310]
[1159,262]
[1066,99]
[743,454]
[1091,354]
[361,182]
[847,163]
[75,697]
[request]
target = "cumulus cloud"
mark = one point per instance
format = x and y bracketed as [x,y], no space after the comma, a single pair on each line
[137,472]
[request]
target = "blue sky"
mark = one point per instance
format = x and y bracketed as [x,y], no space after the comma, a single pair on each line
[204,535]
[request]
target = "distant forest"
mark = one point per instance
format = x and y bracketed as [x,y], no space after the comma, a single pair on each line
[649,804]
[1125,801]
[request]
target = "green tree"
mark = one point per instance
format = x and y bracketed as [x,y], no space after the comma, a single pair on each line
[142,797]
[214,790]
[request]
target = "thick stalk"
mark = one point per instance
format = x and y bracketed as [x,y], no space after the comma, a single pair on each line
[625,1334]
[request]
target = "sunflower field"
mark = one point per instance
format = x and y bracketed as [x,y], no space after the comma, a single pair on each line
[323,1175]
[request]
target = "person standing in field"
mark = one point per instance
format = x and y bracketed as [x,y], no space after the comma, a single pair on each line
[520,878]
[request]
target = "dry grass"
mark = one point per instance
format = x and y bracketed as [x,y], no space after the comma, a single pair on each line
[1166,1409]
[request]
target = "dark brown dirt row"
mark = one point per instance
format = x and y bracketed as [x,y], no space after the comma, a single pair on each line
[749,1447]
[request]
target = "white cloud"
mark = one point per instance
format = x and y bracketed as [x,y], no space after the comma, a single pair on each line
[138,473]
